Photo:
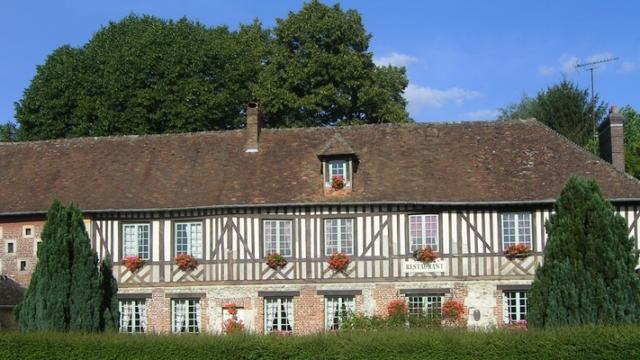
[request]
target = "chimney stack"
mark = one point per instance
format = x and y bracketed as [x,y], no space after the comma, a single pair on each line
[611,136]
[254,123]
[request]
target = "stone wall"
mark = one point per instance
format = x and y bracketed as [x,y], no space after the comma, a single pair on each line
[24,235]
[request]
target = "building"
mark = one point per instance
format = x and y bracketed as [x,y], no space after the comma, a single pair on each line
[10,295]
[229,198]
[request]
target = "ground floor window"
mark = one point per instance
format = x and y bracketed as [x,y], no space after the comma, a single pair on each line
[336,309]
[133,316]
[514,306]
[278,314]
[185,315]
[425,305]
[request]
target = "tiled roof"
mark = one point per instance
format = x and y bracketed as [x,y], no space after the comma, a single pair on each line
[10,292]
[468,162]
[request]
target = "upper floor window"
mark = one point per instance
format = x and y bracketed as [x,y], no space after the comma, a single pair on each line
[133,316]
[185,315]
[11,247]
[136,240]
[189,239]
[277,237]
[278,314]
[423,231]
[337,309]
[516,229]
[338,236]
[514,307]
[425,305]
[337,168]
[27,231]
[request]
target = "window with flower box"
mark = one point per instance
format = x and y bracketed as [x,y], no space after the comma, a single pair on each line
[189,239]
[133,316]
[516,229]
[338,236]
[336,309]
[277,237]
[278,314]
[337,167]
[185,315]
[136,240]
[514,307]
[425,305]
[423,232]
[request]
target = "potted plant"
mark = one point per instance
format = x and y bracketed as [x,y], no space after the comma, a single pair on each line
[276,261]
[452,310]
[186,262]
[425,254]
[133,263]
[517,251]
[233,325]
[337,182]
[339,262]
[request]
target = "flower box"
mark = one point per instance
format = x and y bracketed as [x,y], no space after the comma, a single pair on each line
[276,261]
[517,251]
[337,183]
[133,263]
[339,262]
[425,254]
[186,262]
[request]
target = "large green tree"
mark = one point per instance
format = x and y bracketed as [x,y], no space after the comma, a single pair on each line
[631,140]
[320,72]
[67,290]
[8,132]
[144,75]
[565,108]
[588,272]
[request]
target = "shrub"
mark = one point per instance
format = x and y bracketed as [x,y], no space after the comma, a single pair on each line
[452,309]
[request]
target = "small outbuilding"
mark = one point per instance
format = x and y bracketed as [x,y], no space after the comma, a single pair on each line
[11,294]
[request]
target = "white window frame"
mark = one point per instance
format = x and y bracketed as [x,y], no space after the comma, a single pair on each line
[133,316]
[423,240]
[278,314]
[345,171]
[344,240]
[185,316]
[429,305]
[193,238]
[521,234]
[275,237]
[31,229]
[133,244]
[514,305]
[336,309]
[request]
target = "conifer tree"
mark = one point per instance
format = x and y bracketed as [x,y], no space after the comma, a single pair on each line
[588,272]
[109,306]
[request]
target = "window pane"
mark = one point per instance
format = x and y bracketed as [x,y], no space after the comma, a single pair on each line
[278,314]
[516,229]
[425,305]
[185,316]
[338,308]
[133,316]
[136,240]
[338,236]
[278,237]
[423,231]
[515,306]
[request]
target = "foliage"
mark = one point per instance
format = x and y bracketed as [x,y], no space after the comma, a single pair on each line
[517,251]
[67,289]
[631,140]
[143,75]
[397,307]
[276,261]
[186,262]
[133,263]
[566,343]
[233,326]
[425,254]
[588,273]
[452,309]
[8,132]
[565,108]
[339,261]
[109,287]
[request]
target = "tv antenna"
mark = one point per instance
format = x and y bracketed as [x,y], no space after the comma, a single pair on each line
[590,66]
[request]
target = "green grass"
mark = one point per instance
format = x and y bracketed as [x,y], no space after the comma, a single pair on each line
[568,343]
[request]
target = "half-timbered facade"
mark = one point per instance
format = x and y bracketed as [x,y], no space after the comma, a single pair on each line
[229,199]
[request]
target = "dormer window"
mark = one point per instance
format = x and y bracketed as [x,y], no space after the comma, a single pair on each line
[339,168]
[338,165]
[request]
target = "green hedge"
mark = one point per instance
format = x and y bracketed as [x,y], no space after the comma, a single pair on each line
[574,343]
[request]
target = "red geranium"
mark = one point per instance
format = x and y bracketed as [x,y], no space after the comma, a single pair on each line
[233,326]
[186,262]
[397,307]
[276,261]
[133,263]
[339,261]
[425,254]
[337,182]
[452,309]
[517,250]
[231,309]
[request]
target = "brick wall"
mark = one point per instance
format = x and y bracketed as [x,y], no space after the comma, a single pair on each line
[24,246]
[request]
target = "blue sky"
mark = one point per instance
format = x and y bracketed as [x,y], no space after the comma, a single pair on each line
[464,59]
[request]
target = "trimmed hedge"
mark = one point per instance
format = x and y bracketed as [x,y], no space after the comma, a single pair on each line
[578,343]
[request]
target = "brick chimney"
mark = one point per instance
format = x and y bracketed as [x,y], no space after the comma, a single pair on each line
[254,122]
[611,137]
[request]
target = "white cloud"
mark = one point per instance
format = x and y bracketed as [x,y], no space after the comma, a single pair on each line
[395,59]
[568,64]
[482,114]
[628,66]
[546,70]
[420,97]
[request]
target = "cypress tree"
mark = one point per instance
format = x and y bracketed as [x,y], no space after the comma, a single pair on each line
[588,272]
[109,306]
[66,291]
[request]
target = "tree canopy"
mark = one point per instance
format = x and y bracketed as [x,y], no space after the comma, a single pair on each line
[565,108]
[588,272]
[67,290]
[144,75]
[631,140]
